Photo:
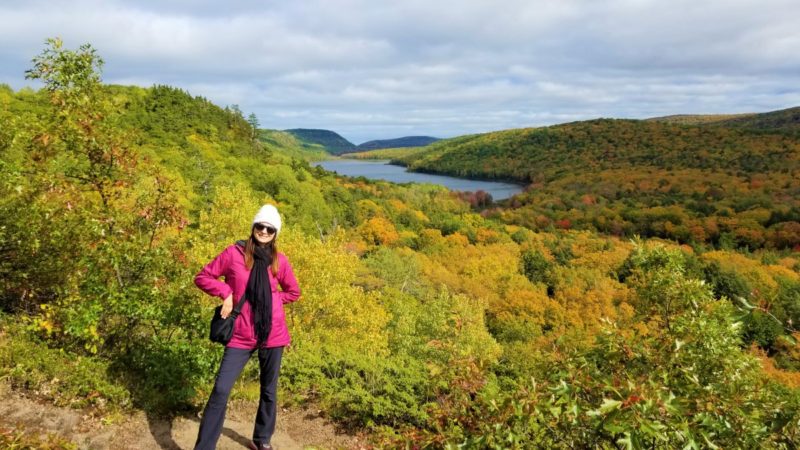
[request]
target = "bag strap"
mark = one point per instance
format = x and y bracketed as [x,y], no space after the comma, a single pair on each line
[238,308]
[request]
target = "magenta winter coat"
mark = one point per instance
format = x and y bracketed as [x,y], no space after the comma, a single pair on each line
[230,264]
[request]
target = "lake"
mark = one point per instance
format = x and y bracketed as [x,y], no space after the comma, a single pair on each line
[381,170]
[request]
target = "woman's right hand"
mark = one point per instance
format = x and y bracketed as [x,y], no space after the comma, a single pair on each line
[227,306]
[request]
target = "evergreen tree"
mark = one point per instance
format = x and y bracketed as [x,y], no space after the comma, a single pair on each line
[252,119]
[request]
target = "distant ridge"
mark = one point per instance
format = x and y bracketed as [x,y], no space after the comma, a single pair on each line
[407,141]
[698,119]
[290,145]
[754,143]
[331,141]
[784,120]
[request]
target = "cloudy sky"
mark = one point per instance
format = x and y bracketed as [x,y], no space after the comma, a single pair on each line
[382,69]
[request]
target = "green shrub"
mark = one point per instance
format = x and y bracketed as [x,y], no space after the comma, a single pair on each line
[65,378]
[167,376]
[761,329]
[360,389]
[536,267]
[725,283]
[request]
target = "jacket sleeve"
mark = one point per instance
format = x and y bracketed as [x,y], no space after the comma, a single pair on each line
[288,282]
[208,278]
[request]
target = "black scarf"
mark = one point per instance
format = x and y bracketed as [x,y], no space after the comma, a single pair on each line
[259,293]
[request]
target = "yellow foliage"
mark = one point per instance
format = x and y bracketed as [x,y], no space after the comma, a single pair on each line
[379,231]
[759,215]
[471,336]
[430,239]
[457,239]
[407,237]
[368,209]
[478,271]
[605,255]
[782,272]
[227,220]
[524,305]
[751,270]
[421,216]
[785,377]
[331,309]
[397,205]
[588,296]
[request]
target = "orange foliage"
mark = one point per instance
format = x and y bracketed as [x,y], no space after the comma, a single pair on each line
[486,236]
[784,377]
[788,262]
[379,231]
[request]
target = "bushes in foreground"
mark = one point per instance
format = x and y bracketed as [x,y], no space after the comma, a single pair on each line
[682,382]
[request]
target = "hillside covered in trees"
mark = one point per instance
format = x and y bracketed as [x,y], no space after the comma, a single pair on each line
[786,121]
[408,141]
[422,321]
[721,185]
[331,141]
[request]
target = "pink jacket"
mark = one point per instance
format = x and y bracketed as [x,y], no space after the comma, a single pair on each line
[230,264]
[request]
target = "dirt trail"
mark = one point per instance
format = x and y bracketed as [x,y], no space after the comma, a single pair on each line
[296,429]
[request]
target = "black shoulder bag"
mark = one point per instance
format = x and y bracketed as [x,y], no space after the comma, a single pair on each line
[222,329]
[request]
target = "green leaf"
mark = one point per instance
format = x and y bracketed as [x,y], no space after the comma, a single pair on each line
[612,427]
[708,441]
[626,441]
[607,406]
[745,303]
[692,445]
[789,339]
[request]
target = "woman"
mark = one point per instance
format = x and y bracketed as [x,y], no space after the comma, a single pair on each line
[253,269]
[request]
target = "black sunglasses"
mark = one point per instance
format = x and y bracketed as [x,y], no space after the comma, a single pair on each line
[262,226]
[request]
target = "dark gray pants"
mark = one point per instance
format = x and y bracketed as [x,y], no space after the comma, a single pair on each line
[233,361]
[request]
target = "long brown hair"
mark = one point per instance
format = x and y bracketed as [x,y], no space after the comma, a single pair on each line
[250,246]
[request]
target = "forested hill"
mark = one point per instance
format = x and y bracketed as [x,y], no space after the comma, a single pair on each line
[162,114]
[785,120]
[544,154]
[709,184]
[408,141]
[289,145]
[697,119]
[330,140]
[165,114]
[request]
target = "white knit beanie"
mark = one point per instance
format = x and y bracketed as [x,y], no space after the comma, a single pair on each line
[268,214]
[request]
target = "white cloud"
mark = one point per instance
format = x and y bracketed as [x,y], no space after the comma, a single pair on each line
[373,70]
